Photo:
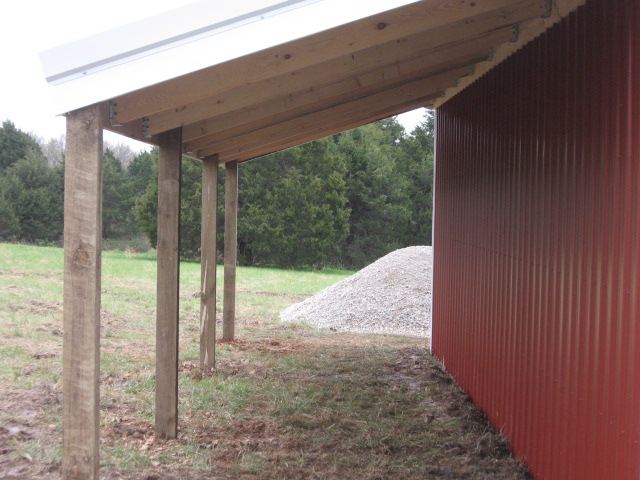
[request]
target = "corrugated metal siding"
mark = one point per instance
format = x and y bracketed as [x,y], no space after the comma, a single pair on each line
[537,243]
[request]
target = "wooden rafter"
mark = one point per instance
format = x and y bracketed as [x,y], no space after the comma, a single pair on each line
[355,109]
[240,122]
[251,97]
[362,68]
[320,131]
[347,39]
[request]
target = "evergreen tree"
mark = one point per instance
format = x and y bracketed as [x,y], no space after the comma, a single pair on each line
[377,192]
[15,144]
[146,206]
[292,206]
[418,157]
[35,193]
[343,200]
[9,222]
[114,197]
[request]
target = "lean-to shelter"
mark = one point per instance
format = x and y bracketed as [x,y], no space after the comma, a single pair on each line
[537,106]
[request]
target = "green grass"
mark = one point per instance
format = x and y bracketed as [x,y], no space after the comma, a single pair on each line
[286,401]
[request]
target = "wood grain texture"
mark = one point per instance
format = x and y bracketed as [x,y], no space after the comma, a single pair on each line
[166,399]
[308,100]
[357,109]
[82,282]
[289,57]
[413,52]
[321,131]
[230,250]
[208,262]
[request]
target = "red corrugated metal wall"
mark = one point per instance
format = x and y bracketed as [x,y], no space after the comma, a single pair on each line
[537,243]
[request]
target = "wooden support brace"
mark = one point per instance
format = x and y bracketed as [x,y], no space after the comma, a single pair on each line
[166,398]
[82,281]
[208,253]
[230,250]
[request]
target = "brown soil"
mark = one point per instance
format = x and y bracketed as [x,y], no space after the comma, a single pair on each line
[315,444]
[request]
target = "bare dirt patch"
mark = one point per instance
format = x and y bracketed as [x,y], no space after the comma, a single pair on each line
[319,407]
[21,423]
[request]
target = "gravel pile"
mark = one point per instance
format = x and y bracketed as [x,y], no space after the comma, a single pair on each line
[392,295]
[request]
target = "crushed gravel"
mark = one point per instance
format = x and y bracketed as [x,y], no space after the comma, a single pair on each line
[391,296]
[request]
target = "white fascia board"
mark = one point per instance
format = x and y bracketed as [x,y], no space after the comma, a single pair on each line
[185,40]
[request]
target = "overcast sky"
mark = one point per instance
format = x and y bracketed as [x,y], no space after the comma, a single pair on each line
[28,27]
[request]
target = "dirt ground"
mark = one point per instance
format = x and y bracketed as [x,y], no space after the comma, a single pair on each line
[405,382]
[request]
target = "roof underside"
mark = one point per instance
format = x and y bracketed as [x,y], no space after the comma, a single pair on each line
[412,56]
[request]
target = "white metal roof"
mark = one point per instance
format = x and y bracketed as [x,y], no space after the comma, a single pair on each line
[188,39]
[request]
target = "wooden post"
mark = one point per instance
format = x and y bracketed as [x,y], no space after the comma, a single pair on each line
[230,249]
[208,252]
[82,278]
[168,283]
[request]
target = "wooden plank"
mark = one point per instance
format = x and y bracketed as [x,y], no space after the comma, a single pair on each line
[528,31]
[321,97]
[401,55]
[230,250]
[208,263]
[82,278]
[166,398]
[286,58]
[387,99]
[332,128]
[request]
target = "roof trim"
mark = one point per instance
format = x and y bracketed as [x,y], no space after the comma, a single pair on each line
[167,43]
[186,40]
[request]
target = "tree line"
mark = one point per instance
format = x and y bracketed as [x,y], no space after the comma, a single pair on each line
[344,200]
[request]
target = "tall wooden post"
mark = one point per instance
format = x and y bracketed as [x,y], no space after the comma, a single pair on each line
[208,252]
[230,250]
[170,144]
[82,280]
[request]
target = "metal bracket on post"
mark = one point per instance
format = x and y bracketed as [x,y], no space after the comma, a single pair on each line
[548,10]
[113,114]
[516,33]
[145,127]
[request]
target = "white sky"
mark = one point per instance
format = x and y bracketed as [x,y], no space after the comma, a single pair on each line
[28,27]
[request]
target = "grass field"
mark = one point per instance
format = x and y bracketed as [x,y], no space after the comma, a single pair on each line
[287,401]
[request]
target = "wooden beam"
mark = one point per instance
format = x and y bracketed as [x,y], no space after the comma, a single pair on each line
[355,70]
[528,31]
[230,250]
[168,284]
[308,100]
[343,40]
[82,280]
[360,107]
[254,117]
[328,129]
[208,263]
